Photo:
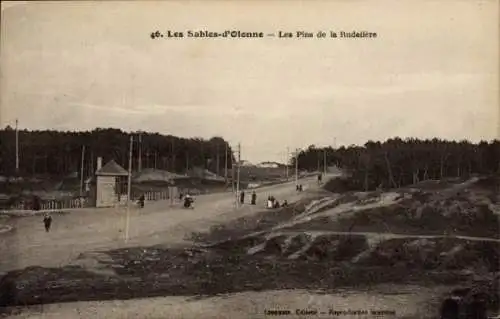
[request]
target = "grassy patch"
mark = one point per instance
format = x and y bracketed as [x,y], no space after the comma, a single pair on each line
[179,273]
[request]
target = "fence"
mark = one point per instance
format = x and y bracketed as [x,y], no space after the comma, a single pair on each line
[58,204]
[157,195]
[52,204]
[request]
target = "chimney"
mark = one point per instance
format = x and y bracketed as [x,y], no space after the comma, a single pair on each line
[99,163]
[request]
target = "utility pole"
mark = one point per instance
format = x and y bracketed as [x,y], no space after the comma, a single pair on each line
[233,174]
[217,157]
[140,153]
[238,175]
[287,161]
[297,166]
[17,147]
[129,186]
[81,170]
[225,165]
[334,150]
[172,158]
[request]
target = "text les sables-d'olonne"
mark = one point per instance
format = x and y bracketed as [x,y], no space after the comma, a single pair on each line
[170,34]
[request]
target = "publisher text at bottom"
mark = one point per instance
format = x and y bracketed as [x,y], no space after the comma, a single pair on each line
[330,312]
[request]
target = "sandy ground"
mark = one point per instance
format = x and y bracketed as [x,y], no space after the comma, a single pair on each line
[400,302]
[158,223]
[103,229]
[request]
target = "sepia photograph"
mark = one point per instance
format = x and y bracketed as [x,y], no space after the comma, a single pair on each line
[250,159]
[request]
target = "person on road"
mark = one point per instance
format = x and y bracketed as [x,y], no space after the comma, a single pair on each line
[242,197]
[273,200]
[319,178]
[254,198]
[188,201]
[141,201]
[47,221]
[269,202]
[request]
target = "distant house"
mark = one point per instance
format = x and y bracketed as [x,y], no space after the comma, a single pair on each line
[111,182]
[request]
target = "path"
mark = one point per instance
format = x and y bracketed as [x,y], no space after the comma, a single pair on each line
[381,235]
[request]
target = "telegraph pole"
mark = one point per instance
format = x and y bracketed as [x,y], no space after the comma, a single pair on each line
[172,158]
[129,186]
[17,147]
[335,147]
[225,165]
[287,161]
[297,166]
[140,153]
[81,171]
[233,167]
[238,175]
[218,163]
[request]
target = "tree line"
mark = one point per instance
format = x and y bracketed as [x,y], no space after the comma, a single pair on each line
[50,152]
[397,162]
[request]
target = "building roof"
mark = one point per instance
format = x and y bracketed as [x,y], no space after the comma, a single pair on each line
[111,169]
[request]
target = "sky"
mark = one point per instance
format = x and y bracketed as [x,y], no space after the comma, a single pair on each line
[432,71]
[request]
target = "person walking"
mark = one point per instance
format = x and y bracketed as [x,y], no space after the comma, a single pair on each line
[141,201]
[47,221]
[269,202]
[242,197]
[254,198]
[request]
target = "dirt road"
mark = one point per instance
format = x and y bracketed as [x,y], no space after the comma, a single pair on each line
[402,302]
[102,229]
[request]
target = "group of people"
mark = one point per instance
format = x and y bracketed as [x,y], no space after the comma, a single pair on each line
[271,201]
[274,203]
[299,188]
